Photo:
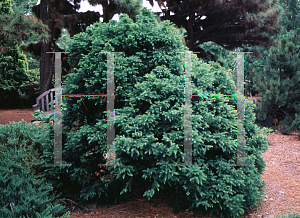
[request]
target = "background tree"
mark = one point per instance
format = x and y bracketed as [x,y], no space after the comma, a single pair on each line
[230,24]
[277,72]
[16,28]
[33,84]
[23,6]
[130,7]
[16,79]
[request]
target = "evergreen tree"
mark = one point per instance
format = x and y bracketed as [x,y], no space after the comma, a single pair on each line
[290,20]
[149,123]
[15,28]
[230,24]
[277,73]
[23,6]
[14,74]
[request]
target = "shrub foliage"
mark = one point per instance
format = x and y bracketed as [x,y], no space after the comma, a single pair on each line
[149,123]
[22,193]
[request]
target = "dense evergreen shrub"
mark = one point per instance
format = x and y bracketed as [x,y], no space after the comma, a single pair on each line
[22,192]
[286,127]
[13,67]
[19,86]
[149,123]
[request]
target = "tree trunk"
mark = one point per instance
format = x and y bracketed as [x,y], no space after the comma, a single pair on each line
[46,71]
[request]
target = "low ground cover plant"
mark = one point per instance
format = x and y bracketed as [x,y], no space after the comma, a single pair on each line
[22,192]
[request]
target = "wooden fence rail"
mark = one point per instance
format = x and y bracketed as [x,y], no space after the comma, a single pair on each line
[42,102]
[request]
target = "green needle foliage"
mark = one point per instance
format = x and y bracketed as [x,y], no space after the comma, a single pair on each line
[149,124]
[5,7]
[13,71]
[276,74]
[17,81]
[22,193]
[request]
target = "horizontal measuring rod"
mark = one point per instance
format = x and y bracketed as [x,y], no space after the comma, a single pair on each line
[213,95]
[81,96]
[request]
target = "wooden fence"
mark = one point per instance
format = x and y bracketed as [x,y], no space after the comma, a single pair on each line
[42,102]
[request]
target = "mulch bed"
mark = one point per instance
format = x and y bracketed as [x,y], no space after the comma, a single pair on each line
[16,115]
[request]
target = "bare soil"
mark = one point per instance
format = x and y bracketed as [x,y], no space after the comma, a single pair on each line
[282,177]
